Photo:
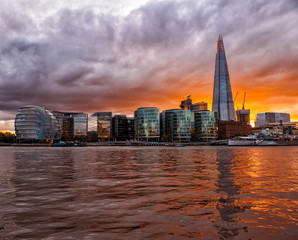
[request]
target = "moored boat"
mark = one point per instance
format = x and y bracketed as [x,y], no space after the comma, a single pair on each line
[243,141]
[68,144]
[260,140]
[266,142]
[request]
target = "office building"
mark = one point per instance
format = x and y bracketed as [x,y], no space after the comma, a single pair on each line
[92,129]
[101,123]
[206,126]
[199,106]
[34,123]
[120,128]
[286,127]
[230,129]
[223,103]
[72,125]
[264,119]
[80,124]
[243,115]
[147,124]
[131,128]
[186,104]
[177,125]
[67,128]
[92,123]
[162,121]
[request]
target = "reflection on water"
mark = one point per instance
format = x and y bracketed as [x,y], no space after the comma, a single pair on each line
[148,193]
[228,192]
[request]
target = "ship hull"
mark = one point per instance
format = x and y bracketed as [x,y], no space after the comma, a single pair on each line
[232,142]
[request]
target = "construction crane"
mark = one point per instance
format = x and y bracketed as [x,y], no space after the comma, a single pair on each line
[235,97]
[244,100]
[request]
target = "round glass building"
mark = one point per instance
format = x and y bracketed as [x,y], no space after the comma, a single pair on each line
[34,123]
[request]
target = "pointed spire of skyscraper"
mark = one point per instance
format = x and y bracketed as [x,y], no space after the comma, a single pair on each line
[223,102]
[220,45]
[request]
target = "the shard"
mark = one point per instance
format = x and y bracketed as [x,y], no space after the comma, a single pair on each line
[223,102]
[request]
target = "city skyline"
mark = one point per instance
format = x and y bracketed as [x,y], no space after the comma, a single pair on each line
[90,57]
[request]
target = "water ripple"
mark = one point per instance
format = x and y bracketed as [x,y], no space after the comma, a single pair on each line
[148,193]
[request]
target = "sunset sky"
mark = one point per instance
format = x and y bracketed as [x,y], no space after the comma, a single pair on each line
[93,56]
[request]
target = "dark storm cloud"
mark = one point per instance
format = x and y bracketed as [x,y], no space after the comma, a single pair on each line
[80,59]
[163,24]
[73,75]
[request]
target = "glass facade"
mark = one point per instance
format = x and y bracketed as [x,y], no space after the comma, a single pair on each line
[120,128]
[35,123]
[206,125]
[59,117]
[80,121]
[147,124]
[92,129]
[104,124]
[177,125]
[101,124]
[162,121]
[223,103]
[67,128]
[72,125]
[131,128]
[92,123]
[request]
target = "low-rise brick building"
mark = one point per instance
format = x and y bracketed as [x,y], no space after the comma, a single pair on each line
[230,129]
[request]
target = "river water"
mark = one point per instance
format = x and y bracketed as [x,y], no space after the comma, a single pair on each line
[149,193]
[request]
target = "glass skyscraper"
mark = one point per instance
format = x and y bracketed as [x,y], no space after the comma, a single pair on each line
[35,123]
[223,103]
[147,124]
